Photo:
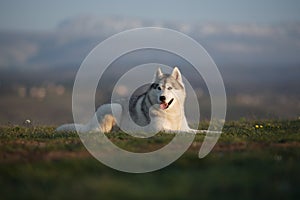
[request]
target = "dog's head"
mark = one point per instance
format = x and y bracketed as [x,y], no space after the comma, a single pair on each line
[168,89]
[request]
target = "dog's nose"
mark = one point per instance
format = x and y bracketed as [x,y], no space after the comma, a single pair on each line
[162,98]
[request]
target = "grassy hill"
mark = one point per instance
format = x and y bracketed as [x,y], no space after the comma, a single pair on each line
[252,160]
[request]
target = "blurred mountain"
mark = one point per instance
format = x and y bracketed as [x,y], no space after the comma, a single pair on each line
[248,44]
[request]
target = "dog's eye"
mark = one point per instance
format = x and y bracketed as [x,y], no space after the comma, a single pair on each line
[170,88]
[159,88]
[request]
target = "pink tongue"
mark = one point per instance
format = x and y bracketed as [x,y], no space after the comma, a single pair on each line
[163,106]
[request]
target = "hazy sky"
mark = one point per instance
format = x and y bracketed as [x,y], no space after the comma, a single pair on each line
[45,15]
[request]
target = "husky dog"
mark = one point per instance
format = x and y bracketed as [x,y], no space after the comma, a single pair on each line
[160,108]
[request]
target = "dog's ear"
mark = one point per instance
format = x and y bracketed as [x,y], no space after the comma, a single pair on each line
[176,74]
[158,74]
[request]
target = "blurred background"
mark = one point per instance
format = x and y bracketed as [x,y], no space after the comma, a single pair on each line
[255,44]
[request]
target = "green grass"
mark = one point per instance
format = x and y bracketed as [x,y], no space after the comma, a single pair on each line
[248,162]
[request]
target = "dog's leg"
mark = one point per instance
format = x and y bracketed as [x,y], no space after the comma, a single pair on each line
[208,132]
[105,118]
[193,131]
